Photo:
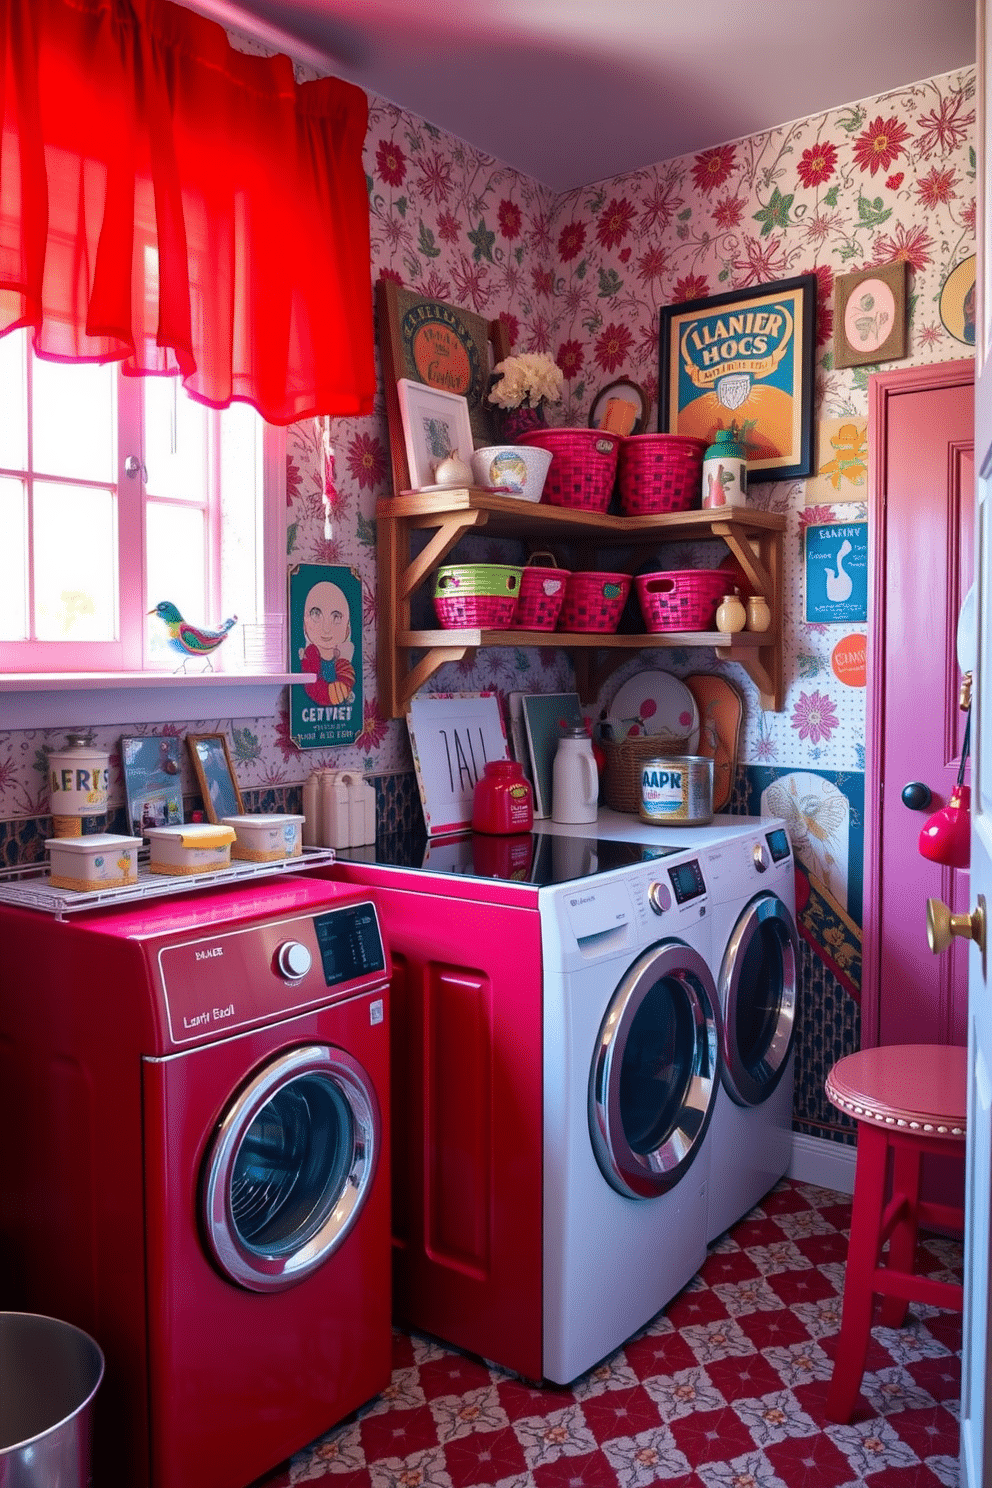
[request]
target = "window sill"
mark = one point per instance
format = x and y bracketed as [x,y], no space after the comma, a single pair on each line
[39,699]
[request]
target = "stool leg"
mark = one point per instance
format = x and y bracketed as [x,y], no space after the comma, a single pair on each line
[862,1256]
[907,1163]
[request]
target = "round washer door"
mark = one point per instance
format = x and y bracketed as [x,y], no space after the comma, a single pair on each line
[290,1167]
[654,1072]
[758,991]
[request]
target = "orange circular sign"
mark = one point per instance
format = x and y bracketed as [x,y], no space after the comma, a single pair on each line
[850,660]
[441,358]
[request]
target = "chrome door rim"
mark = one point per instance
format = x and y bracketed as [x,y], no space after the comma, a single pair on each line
[742,1084]
[644,1175]
[334,1213]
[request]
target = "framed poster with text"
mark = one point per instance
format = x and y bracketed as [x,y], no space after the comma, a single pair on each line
[744,358]
[325,637]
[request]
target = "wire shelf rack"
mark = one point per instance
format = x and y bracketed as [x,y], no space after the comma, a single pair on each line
[28,885]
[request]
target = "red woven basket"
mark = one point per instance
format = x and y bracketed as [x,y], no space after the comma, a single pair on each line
[594,601]
[476,596]
[682,599]
[584,467]
[660,473]
[542,593]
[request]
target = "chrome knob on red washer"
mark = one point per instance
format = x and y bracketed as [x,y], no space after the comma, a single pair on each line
[293,960]
[660,897]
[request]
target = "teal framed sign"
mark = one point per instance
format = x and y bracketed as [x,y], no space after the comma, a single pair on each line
[325,637]
[837,573]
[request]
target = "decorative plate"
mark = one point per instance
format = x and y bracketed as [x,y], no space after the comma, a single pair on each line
[657,704]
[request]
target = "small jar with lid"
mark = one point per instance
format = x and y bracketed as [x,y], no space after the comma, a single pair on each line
[503,802]
[78,787]
[725,470]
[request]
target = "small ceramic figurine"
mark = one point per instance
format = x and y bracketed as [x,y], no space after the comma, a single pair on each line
[190,640]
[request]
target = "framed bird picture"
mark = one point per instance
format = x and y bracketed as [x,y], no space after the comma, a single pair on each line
[215,775]
[153,781]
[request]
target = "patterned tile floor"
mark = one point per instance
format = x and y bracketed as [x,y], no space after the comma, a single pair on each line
[723,1389]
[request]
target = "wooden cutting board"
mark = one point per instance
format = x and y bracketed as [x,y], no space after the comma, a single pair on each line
[721,710]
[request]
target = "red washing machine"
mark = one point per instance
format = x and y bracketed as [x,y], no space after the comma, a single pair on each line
[199,1087]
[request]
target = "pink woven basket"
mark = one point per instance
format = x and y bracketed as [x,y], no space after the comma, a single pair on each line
[542,593]
[594,601]
[583,469]
[682,599]
[476,596]
[660,473]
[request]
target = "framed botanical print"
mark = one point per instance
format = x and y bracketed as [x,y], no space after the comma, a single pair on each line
[746,358]
[870,315]
[429,341]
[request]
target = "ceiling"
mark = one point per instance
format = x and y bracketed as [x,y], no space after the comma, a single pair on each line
[576,91]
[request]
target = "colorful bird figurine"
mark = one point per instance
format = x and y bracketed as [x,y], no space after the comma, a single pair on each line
[190,640]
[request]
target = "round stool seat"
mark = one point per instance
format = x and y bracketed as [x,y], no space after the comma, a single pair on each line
[917,1087]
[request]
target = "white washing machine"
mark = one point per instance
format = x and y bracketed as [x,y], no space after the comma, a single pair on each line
[750,877]
[631,1080]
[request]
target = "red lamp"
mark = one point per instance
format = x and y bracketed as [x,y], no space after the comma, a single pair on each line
[946,836]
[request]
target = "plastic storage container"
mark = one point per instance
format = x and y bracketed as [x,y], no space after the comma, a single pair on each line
[681,599]
[103,861]
[659,473]
[199,847]
[584,467]
[594,601]
[265,838]
[476,595]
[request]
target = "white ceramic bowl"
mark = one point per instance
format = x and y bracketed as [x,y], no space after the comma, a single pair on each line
[514,469]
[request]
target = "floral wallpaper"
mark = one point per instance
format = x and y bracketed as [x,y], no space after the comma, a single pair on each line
[583,276]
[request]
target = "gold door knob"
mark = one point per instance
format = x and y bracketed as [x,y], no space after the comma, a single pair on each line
[942,926]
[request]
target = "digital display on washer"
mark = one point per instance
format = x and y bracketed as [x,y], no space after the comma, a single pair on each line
[350,943]
[778,844]
[687,881]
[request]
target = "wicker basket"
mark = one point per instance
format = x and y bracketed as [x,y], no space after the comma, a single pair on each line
[681,599]
[660,473]
[480,596]
[542,593]
[584,467]
[622,775]
[594,601]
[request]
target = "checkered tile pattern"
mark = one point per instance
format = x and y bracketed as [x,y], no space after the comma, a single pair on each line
[724,1389]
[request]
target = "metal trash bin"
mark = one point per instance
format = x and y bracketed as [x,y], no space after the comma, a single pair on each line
[49,1374]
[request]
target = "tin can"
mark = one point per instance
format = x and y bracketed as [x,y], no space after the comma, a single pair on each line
[78,787]
[677,791]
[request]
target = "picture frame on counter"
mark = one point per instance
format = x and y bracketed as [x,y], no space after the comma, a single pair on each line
[453,735]
[214,773]
[744,357]
[435,425]
[152,767]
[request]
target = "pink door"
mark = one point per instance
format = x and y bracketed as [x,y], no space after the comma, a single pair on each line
[922,515]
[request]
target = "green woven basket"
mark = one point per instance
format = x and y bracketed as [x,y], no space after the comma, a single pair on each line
[481,595]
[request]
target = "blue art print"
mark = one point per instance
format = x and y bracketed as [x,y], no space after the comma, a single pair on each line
[837,573]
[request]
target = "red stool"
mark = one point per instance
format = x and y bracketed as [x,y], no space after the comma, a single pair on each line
[908,1099]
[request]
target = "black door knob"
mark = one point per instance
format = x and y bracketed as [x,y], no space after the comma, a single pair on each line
[916,795]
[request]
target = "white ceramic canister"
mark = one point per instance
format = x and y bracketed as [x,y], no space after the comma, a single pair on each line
[677,791]
[78,785]
[574,778]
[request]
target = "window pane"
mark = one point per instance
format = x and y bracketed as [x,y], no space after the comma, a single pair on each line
[176,571]
[13,590]
[240,532]
[75,568]
[74,420]
[14,424]
[175,440]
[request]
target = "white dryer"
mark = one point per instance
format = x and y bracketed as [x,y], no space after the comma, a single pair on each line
[631,1080]
[751,879]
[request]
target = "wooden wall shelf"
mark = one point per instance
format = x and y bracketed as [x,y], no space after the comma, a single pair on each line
[409,657]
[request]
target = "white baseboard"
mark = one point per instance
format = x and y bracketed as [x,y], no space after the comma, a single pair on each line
[825,1163]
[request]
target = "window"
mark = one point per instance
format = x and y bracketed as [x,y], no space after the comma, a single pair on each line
[118,492]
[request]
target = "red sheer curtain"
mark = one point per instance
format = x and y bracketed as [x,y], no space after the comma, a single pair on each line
[183,207]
